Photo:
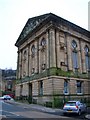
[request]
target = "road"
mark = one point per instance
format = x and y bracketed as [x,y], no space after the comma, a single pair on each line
[15,112]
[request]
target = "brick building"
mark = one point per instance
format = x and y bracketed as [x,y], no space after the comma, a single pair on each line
[53,60]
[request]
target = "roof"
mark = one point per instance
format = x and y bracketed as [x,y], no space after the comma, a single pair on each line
[33,23]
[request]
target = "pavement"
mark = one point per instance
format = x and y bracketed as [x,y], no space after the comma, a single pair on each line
[41,108]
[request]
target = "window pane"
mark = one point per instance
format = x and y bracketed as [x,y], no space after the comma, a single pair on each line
[74,44]
[66,87]
[87,62]
[41,87]
[87,59]
[79,87]
[75,59]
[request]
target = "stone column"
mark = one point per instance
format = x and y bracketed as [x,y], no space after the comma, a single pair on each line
[58,49]
[30,63]
[69,53]
[28,59]
[40,61]
[27,62]
[19,66]
[79,57]
[36,57]
[22,64]
[66,51]
[47,49]
[52,48]
[83,57]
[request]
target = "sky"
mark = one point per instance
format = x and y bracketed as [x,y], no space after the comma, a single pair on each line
[15,13]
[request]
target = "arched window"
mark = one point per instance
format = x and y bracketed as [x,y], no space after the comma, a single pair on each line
[87,58]
[33,49]
[86,50]
[25,55]
[43,42]
[74,44]
[74,55]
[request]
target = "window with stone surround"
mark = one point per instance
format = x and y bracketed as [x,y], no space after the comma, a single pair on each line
[43,44]
[87,58]
[66,87]
[33,50]
[33,70]
[25,55]
[74,55]
[40,87]
[43,66]
[79,87]
[74,44]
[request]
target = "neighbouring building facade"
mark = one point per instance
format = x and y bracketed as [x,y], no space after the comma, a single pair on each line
[8,81]
[0,82]
[53,60]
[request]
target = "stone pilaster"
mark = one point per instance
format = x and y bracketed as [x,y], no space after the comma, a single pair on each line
[58,49]
[79,58]
[29,60]
[20,64]
[69,53]
[52,48]
[83,57]
[47,49]
[40,60]
[36,57]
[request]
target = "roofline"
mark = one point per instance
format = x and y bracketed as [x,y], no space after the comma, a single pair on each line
[58,19]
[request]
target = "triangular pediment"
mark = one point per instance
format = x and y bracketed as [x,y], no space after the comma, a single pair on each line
[31,24]
[35,22]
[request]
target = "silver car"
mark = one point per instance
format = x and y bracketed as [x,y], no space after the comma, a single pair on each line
[74,107]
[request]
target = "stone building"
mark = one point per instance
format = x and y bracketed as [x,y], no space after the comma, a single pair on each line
[8,81]
[53,60]
[0,82]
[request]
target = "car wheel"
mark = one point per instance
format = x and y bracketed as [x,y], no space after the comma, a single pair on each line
[79,113]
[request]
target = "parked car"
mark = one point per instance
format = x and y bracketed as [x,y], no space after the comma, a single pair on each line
[74,107]
[6,97]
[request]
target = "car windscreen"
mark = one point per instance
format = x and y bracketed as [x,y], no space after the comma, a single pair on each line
[70,104]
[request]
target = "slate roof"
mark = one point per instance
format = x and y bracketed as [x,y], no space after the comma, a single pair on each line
[35,22]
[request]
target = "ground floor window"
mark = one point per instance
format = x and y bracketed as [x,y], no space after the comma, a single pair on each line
[79,86]
[66,87]
[41,87]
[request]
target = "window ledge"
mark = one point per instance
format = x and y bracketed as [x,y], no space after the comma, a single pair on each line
[66,93]
[79,93]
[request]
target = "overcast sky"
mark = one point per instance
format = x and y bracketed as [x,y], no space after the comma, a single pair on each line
[15,13]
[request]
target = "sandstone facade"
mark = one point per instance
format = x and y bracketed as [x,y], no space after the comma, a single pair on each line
[53,59]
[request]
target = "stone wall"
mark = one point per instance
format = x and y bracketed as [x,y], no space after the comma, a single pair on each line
[56,53]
